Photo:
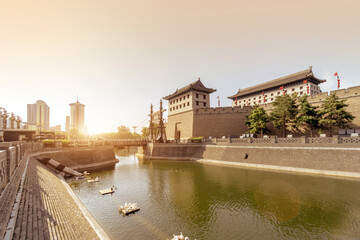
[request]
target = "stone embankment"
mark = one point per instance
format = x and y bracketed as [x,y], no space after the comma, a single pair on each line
[84,159]
[36,202]
[315,158]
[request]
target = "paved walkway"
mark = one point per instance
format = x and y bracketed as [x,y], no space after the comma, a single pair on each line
[7,198]
[46,209]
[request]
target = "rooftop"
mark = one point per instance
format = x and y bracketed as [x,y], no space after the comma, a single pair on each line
[302,75]
[197,85]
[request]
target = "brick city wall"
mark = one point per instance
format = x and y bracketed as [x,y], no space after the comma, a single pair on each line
[222,121]
[337,159]
[225,121]
[182,122]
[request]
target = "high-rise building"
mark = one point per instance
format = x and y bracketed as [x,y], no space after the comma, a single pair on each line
[39,114]
[67,124]
[77,116]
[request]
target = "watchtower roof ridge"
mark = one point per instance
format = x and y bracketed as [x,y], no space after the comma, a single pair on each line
[197,85]
[302,75]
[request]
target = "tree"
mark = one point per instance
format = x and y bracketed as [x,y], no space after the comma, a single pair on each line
[307,117]
[144,132]
[257,119]
[124,132]
[284,112]
[333,114]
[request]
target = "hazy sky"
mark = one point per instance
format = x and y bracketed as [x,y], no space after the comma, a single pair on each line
[120,56]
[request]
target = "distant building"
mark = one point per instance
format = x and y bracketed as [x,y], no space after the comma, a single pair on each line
[39,114]
[67,124]
[182,105]
[56,128]
[302,83]
[77,116]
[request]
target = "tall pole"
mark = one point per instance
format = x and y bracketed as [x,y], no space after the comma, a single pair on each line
[161,121]
[151,126]
[162,126]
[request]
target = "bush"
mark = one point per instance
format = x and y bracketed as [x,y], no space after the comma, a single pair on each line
[196,139]
[48,142]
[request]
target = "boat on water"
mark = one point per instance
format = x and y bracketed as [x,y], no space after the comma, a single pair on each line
[129,208]
[180,237]
[106,191]
[92,180]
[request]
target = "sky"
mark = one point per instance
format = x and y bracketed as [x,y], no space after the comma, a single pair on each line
[120,56]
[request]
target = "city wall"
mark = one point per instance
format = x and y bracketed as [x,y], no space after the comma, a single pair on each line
[182,122]
[342,161]
[218,122]
[225,121]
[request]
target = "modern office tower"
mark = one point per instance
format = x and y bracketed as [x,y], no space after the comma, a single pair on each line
[77,116]
[39,114]
[67,124]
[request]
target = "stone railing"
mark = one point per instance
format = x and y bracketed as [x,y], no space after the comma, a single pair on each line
[290,140]
[263,140]
[322,140]
[240,140]
[11,155]
[350,140]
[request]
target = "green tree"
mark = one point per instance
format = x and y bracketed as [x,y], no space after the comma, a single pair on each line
[307,117]
[124,132]
[144,132]
[257,119]
[284,112]
[333,114]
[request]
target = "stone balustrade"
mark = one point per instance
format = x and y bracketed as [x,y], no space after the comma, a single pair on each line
[11,155]
[276,140]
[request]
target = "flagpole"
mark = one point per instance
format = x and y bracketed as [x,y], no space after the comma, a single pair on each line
[338,80]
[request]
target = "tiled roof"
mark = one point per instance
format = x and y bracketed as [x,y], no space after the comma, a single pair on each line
[302,75]
[197,85]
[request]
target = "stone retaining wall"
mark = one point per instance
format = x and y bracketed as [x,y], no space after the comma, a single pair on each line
[77,157]
[341,160]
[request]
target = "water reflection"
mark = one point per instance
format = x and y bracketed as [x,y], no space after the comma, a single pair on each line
[215,202]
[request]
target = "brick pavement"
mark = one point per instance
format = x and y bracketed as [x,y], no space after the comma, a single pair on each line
[7,197]
[47,210]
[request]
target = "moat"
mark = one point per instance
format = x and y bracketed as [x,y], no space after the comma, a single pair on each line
[217,202]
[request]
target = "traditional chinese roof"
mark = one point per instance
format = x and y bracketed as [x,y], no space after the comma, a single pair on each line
[197,86]
[302,75]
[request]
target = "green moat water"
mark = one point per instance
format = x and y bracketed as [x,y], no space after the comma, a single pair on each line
[214,202]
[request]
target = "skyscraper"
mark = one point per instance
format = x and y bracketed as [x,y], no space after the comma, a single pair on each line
[77,116]
[67,124]
[39,114]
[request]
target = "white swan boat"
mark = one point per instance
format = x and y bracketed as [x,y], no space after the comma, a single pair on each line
[180,237]
[129,208]
[93,180]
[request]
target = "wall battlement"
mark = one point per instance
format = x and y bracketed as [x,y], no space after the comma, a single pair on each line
[219,110]
[342,93]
